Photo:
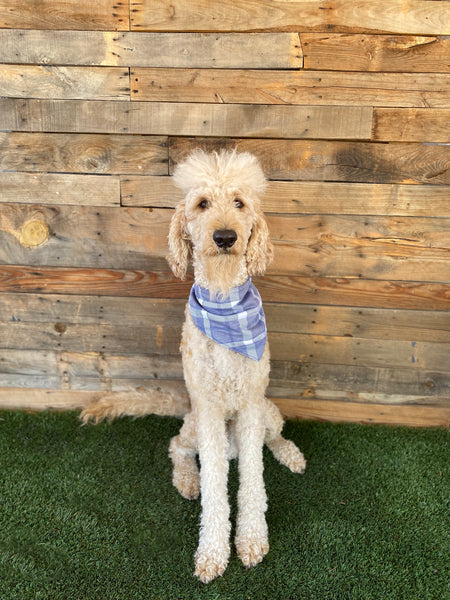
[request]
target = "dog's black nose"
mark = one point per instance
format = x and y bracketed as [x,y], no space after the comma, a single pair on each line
[224,238]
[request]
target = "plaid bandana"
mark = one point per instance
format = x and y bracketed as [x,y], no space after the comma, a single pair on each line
[236,322]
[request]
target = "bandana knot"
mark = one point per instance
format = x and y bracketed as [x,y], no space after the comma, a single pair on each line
[236,322]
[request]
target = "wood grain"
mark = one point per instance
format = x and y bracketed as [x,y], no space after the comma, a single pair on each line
[393,16]
[406,248]
[317,160]
[308,197]
[111,48]
[83,153]
[349,412]
[163,338]
[51,188]
[95,83]
[384,53]
[359,351]
[174,118]
[413,124]
[57,14]
[319,88]
[370,323]
[162,284]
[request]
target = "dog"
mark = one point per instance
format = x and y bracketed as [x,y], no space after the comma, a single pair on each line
[220,228]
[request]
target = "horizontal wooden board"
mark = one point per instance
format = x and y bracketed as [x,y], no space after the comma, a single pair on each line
[100,370]
[349,322]
[51,188]
[101,282]
[393,16]
[147,339]
[360,352]
[432,326]
[305,197]
[316,160]
[83,236]
[413,124]
[127,48]
[319,88]
[59,14]
[164,339]
[57,399]
[356,383]
[362,52]
[83,153]
[403,248]
[92,83]
[172,118]
[350,412]
[162,284]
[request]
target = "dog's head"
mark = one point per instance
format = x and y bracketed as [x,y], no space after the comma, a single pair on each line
[219,221]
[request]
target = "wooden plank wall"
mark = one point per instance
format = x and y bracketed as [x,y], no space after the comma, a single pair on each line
[347,105]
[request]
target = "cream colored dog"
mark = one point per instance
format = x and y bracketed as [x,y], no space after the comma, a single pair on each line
[220,227]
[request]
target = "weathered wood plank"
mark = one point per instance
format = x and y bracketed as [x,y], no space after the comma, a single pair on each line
[57,14]
[396,53]
[360,352]
[147,339]
[165,339]
[153,284]
[355,292]
[92,83]
[50,188]
[193,50]
[349,322]
[366,384]
[174,118]
[393,16]
[412,125]
[83,236]
[350,412]
[83,153]
[316,160]
[432,326]
[407,248]
[305,197]
[101,282]
[100,370]
[47,399]
[316,88]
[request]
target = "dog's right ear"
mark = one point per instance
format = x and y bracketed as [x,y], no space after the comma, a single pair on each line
[180,247]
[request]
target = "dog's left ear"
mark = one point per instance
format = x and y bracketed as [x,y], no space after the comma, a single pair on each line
[180,247]
[259,248]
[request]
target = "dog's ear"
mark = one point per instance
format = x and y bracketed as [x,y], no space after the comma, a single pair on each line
[259,248]
[180,247]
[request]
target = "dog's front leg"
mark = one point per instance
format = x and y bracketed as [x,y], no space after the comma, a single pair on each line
[213,550]
[251,535]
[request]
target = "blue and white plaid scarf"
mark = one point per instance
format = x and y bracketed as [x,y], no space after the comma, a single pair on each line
[236,322]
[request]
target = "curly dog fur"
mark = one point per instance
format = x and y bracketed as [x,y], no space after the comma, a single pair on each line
[230,415]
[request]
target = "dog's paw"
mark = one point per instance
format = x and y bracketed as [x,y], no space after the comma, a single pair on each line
[187,482]
[252,551]
[210,563]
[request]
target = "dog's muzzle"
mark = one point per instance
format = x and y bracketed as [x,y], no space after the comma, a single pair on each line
[224,238]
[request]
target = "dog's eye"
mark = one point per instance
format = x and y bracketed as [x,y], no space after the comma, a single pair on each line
[203,204]
[238,203]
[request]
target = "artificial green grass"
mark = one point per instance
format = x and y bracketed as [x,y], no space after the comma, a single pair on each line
[91,513]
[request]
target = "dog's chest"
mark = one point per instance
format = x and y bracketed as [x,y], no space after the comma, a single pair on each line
[218,373]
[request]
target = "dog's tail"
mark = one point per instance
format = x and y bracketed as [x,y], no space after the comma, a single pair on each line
[170,401]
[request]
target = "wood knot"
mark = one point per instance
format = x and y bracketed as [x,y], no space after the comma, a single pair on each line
[34,233]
